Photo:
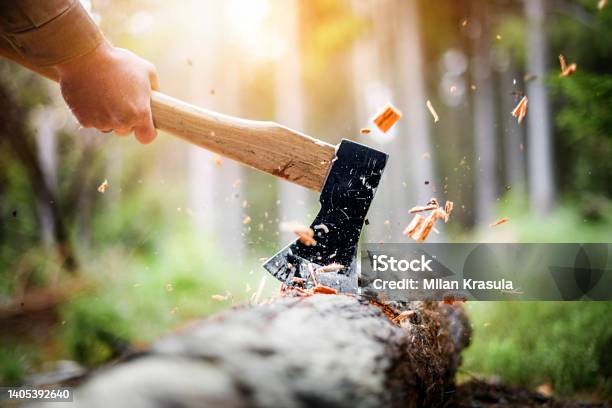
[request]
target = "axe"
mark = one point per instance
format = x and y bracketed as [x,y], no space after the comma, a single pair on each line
[346,175]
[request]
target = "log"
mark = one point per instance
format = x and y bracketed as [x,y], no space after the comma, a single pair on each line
[319,350]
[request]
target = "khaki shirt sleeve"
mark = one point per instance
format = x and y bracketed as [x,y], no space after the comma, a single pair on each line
[46,32]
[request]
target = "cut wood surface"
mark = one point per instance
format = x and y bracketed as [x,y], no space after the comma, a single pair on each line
[265,146]
[320,350]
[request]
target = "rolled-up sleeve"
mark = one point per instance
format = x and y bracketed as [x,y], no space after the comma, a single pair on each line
[47,32]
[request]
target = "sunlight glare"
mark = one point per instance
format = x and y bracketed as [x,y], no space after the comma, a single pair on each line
[248,22]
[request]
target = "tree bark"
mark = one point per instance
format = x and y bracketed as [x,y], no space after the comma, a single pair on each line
[321,350]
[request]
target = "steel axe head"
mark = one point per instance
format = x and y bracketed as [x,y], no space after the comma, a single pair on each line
[345,198]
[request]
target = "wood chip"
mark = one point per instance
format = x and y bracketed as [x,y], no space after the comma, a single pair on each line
[387,117]
[452,299]
[529,77]
[433,111]
[521,109]
[566,70]
[416,223]
[365,131]
[419,208]
[324,290]
[305,234]
[219,298]
[499,222]
[433,201]
[421,234]
[601,4]
[448,208]
[246,220]
[403,316]
[103,187]
[334,267]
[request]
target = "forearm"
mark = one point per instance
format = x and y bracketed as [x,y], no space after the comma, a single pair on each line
[44,33]
[106,88]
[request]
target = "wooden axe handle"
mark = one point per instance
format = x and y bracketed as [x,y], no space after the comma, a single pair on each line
[265,146]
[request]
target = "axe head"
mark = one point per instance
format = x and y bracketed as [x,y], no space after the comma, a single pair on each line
[345,198]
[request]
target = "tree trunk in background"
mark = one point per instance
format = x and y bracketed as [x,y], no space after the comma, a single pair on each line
[215,193]
[415,125]
[46,149]
[414,140]
[484,166]
[513,133]
[295,201]
[13,128]
[373,79]
[540,155]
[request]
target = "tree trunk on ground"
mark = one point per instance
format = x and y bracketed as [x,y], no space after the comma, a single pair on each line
[332,351]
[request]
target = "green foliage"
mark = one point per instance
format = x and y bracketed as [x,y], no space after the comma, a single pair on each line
[566,344]
[586,220]
[586,124]
[95,330]
[13,365]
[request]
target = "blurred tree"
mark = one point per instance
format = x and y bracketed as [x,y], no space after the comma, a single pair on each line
[295,201]
[539,135]
[583,34]
[16,135]
[484,111]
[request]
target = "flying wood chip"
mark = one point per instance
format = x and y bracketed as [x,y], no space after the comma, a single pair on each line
[305,234]
[103,187]
[219,298]
[433,111]
[566,70]
[499,222]
[420,227]
[387,117]
[521,109]
[416,223]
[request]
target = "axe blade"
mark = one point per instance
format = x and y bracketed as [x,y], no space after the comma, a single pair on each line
[345,199]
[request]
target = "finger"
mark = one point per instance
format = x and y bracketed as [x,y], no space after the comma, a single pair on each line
[123,131]
[153,79]
[145,132]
